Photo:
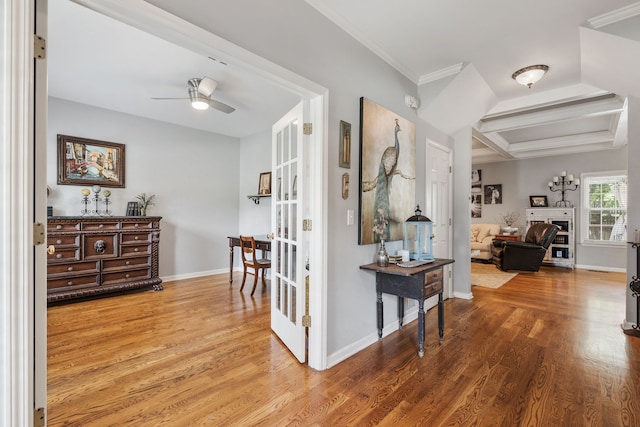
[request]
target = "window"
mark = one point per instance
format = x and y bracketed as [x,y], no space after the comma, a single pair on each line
[604,208]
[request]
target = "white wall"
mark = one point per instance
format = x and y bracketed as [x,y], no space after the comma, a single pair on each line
[522,178]
[193,174]
[255,157]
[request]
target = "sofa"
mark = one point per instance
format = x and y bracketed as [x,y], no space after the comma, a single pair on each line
[481,237]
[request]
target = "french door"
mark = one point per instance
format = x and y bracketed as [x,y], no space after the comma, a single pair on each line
[288,249]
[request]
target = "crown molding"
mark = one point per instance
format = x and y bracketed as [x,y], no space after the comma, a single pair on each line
[441,74]
[615,16]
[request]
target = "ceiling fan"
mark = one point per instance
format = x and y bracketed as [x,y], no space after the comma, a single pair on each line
[200,91]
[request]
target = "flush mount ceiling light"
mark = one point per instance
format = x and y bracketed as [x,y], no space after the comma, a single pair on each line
[527,76]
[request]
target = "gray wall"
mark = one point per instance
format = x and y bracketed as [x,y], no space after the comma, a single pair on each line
[194,175]
[522,178]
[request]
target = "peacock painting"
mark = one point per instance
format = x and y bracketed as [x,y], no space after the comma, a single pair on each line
[387,186]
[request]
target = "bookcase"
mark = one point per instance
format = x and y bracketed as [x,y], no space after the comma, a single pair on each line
[561,252]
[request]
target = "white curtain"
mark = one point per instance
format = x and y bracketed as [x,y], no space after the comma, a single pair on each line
[619,189]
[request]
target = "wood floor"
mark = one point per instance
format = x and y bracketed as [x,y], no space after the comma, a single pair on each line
[546,349]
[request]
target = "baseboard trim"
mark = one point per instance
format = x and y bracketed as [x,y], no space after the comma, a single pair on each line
[601,268]
[463,295]
[197,274]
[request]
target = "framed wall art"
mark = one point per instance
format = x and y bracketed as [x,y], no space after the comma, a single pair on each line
[264,184]
[387,173]
[345,145]
[83,161]
[493,194]
[538,201]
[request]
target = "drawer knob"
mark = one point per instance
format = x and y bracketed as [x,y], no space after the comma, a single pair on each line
[100,246]
[59,242]
[101,225]
[127,276]
[135,238]
[69,268]
[58,227]
[135,250]
[59,256]
[135,225]
[69,283]
[127,263]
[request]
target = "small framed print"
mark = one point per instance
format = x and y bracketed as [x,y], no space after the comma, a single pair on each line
[345,145]
[538,201]
[264,184]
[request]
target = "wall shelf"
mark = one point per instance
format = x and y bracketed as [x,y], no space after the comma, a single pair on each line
[256,197]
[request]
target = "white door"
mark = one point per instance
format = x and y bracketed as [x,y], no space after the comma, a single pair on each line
[438,207]
[288,249]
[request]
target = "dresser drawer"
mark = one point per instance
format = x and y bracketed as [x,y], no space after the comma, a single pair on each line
[128,263]
[64,255]
[101,245]
[126,276]
[71,283]
[136,237]
[136,250]
[433,276]
[138,225]
[64,239]
[432,288]
[75,268]
[100,226]
[53,225]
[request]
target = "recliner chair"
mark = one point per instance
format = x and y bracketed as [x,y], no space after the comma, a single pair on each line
[527,255]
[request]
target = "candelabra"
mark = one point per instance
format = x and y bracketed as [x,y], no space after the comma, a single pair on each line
[562,184]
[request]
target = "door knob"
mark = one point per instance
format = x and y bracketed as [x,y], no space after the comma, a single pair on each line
[51,250]
[270,236]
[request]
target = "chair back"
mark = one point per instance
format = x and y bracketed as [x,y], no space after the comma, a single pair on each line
[248,246]
[542,234]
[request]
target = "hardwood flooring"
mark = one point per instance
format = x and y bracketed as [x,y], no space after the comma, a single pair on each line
[545,349]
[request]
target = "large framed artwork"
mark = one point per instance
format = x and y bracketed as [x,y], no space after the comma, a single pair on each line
[387,173]
[83,161]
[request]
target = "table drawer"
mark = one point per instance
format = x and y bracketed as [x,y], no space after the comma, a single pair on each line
[100,245]
[73,268]
[74,282]
[54,225]
[100,226]
[128,263]
[136,237]
[64,255]
[136,250]
[433,276]
[126,276]
[64,239]
[432,288]
[138,225]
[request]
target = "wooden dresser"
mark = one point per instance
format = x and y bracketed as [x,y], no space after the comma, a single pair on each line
[100,255]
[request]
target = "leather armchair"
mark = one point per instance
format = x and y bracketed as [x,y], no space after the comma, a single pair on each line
[527,255]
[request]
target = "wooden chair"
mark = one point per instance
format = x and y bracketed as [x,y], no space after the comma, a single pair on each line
[251,260]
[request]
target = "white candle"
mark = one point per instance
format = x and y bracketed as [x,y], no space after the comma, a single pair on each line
[555,179]
[563,173]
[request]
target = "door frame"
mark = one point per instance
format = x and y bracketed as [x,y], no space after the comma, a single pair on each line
[155,21]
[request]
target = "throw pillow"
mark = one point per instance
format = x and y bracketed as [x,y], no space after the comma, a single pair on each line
[482,233]
[474,234]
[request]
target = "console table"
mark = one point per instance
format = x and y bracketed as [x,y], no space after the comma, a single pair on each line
[418,283]
[262,242]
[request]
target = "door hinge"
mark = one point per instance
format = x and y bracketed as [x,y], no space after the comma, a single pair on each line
[38,417]
[307,128]
[450,221]
[306,225]
[38,234]
[306,319]
[39,47]
[449,169]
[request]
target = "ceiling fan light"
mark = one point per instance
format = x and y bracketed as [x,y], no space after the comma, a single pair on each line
[198,101]
[527,76]
[199,105]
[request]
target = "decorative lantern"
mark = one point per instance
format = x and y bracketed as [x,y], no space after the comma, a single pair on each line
[418,235]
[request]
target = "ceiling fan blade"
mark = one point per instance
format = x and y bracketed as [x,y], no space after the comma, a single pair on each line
[166,99]
[206,86]
[221,106]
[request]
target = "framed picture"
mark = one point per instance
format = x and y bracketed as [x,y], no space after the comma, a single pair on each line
[264,185]
[83,161]
[493,194]
[345,145]
[538,201]
[387,186]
